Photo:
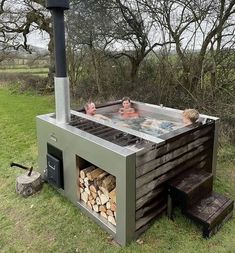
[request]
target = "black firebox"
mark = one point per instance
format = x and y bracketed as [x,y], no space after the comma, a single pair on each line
[55,167]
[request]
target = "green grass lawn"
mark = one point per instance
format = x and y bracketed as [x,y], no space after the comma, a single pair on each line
[48,222]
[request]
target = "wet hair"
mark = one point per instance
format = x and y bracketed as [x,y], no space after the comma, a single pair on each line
[126,99]
[191,114]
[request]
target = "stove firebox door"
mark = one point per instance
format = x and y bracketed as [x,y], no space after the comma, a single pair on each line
[53,171]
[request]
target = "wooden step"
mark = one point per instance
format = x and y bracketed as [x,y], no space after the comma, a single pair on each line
[212,212]
[190,187]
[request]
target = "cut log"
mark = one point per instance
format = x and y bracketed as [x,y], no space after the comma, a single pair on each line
[105,191]
[104,199]
[102,208]
[111,219]
[87,182]
[90,197]
[29,185]
[81,185]
[109,213]
[109,183]
[112,195]
[93,202]
[84,196]
[85,171]
[103,214]
[108,205]
[89,204]
[98,180]
[94,194]
[93,188]
[113,207]
[94,174]
[87,190]
[81,180]
[99,192]
[98,201]
[96,208]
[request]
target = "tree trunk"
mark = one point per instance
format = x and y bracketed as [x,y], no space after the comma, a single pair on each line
[51,73]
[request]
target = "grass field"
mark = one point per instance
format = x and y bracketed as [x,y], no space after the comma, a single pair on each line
[48,222]
[43,72]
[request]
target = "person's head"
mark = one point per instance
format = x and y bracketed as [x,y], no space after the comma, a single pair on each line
[90,108]
[190,116]
[126,102]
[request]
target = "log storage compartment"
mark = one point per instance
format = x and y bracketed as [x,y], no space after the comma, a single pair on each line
[97,190]
[118,175]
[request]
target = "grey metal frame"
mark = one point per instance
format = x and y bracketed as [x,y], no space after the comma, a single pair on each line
[118,161]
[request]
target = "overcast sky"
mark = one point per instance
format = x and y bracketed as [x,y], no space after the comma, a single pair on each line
[38,39]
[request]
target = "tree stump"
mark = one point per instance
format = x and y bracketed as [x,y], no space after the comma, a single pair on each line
[28,185]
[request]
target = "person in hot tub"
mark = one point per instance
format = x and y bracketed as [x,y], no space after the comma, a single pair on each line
[91,110]
[190,116]
[126,111]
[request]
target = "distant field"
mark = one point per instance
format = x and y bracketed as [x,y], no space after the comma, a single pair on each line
[21,69]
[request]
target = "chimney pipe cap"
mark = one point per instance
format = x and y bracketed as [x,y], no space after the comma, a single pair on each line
[57,4]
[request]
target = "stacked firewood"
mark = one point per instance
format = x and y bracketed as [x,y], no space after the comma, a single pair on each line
[98,191]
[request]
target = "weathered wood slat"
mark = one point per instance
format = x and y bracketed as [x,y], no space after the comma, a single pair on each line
[150,154]
[146,198]
[143,221]
[194,162]
[146,147]
[154,205]
[168,166]
[147,167]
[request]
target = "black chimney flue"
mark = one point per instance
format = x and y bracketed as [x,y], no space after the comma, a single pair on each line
[62,97]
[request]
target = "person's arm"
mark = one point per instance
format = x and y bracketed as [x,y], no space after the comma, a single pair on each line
[100,116]
[121,110]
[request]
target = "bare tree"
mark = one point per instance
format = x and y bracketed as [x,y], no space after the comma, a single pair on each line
[136,33]
[195,26]
[88,23]
[117,28]
[20,18]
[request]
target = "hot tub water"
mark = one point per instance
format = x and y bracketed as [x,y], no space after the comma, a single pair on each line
[160,124]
